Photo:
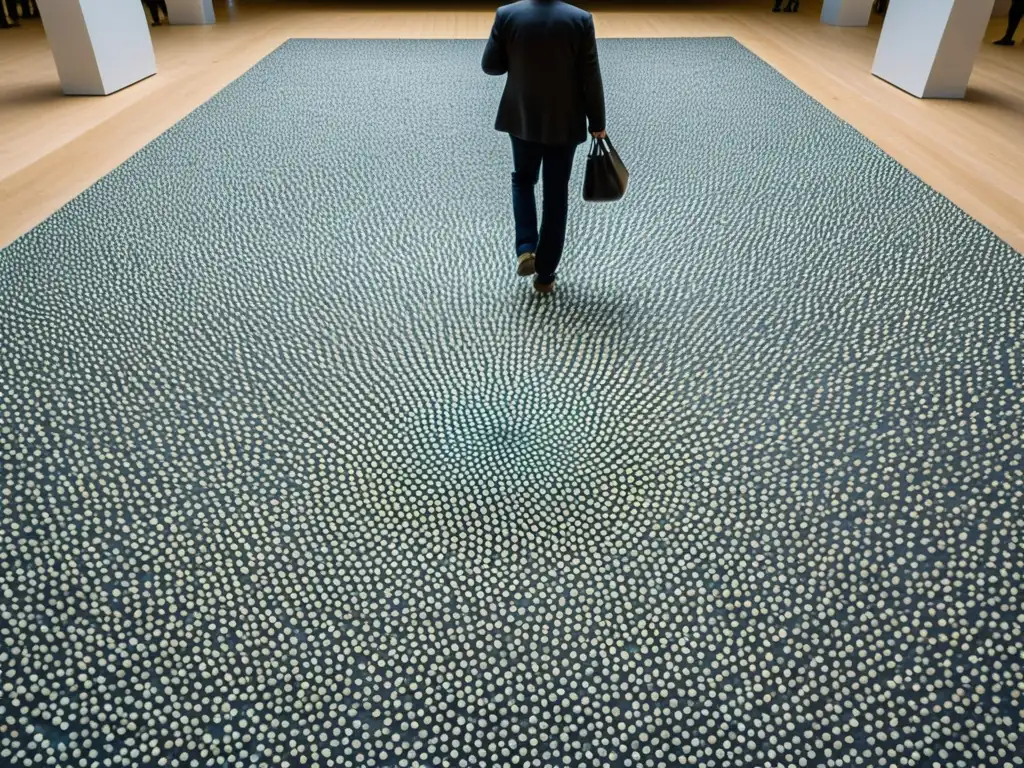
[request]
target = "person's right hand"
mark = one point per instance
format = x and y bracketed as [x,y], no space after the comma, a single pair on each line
[599,134]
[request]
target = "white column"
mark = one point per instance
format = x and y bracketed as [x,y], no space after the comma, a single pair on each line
[99,46]
[928,47]
[847,13]
[190,12]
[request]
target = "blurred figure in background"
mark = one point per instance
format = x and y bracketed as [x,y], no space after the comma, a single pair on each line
[155,6]
[9,9]
[1016,14]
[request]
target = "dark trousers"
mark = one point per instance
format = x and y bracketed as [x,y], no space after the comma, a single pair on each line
[1016,14]
[528,160]
[29,10]
[155,6]
[12,11]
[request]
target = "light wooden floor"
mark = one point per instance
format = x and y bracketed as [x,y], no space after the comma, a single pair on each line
[54,146]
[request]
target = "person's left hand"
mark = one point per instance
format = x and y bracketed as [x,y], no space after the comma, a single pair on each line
[599,134]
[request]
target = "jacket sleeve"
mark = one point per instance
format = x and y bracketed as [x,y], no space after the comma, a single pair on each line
[590,75]
[495,57]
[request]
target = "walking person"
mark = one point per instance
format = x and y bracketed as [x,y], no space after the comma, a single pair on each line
[791,7]
[155,6]
[1016,14]
[9,8]
[548,49]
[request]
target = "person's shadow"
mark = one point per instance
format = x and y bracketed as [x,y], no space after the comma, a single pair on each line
[601,319]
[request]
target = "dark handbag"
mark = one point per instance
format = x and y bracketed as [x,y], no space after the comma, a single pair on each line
[607,176]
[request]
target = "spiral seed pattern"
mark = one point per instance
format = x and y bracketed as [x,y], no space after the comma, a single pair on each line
[295,472]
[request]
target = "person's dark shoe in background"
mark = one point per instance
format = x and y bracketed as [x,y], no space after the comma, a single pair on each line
[777,8]
[1004,41]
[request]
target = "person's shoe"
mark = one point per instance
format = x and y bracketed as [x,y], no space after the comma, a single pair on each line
[1004,41]
[543,288]
[527,264]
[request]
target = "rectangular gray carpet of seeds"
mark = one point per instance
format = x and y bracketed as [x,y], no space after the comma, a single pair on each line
[294,471]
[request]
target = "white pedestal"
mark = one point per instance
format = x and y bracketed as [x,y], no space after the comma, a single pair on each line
[190,12]
[847,13]
[99,46]
[928,47]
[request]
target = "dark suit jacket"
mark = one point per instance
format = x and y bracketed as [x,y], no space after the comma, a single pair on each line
[549,50]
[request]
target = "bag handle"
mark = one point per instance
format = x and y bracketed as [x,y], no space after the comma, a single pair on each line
[597,147]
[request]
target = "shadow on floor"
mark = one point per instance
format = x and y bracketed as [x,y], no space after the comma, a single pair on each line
[996,100]
[34,93]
